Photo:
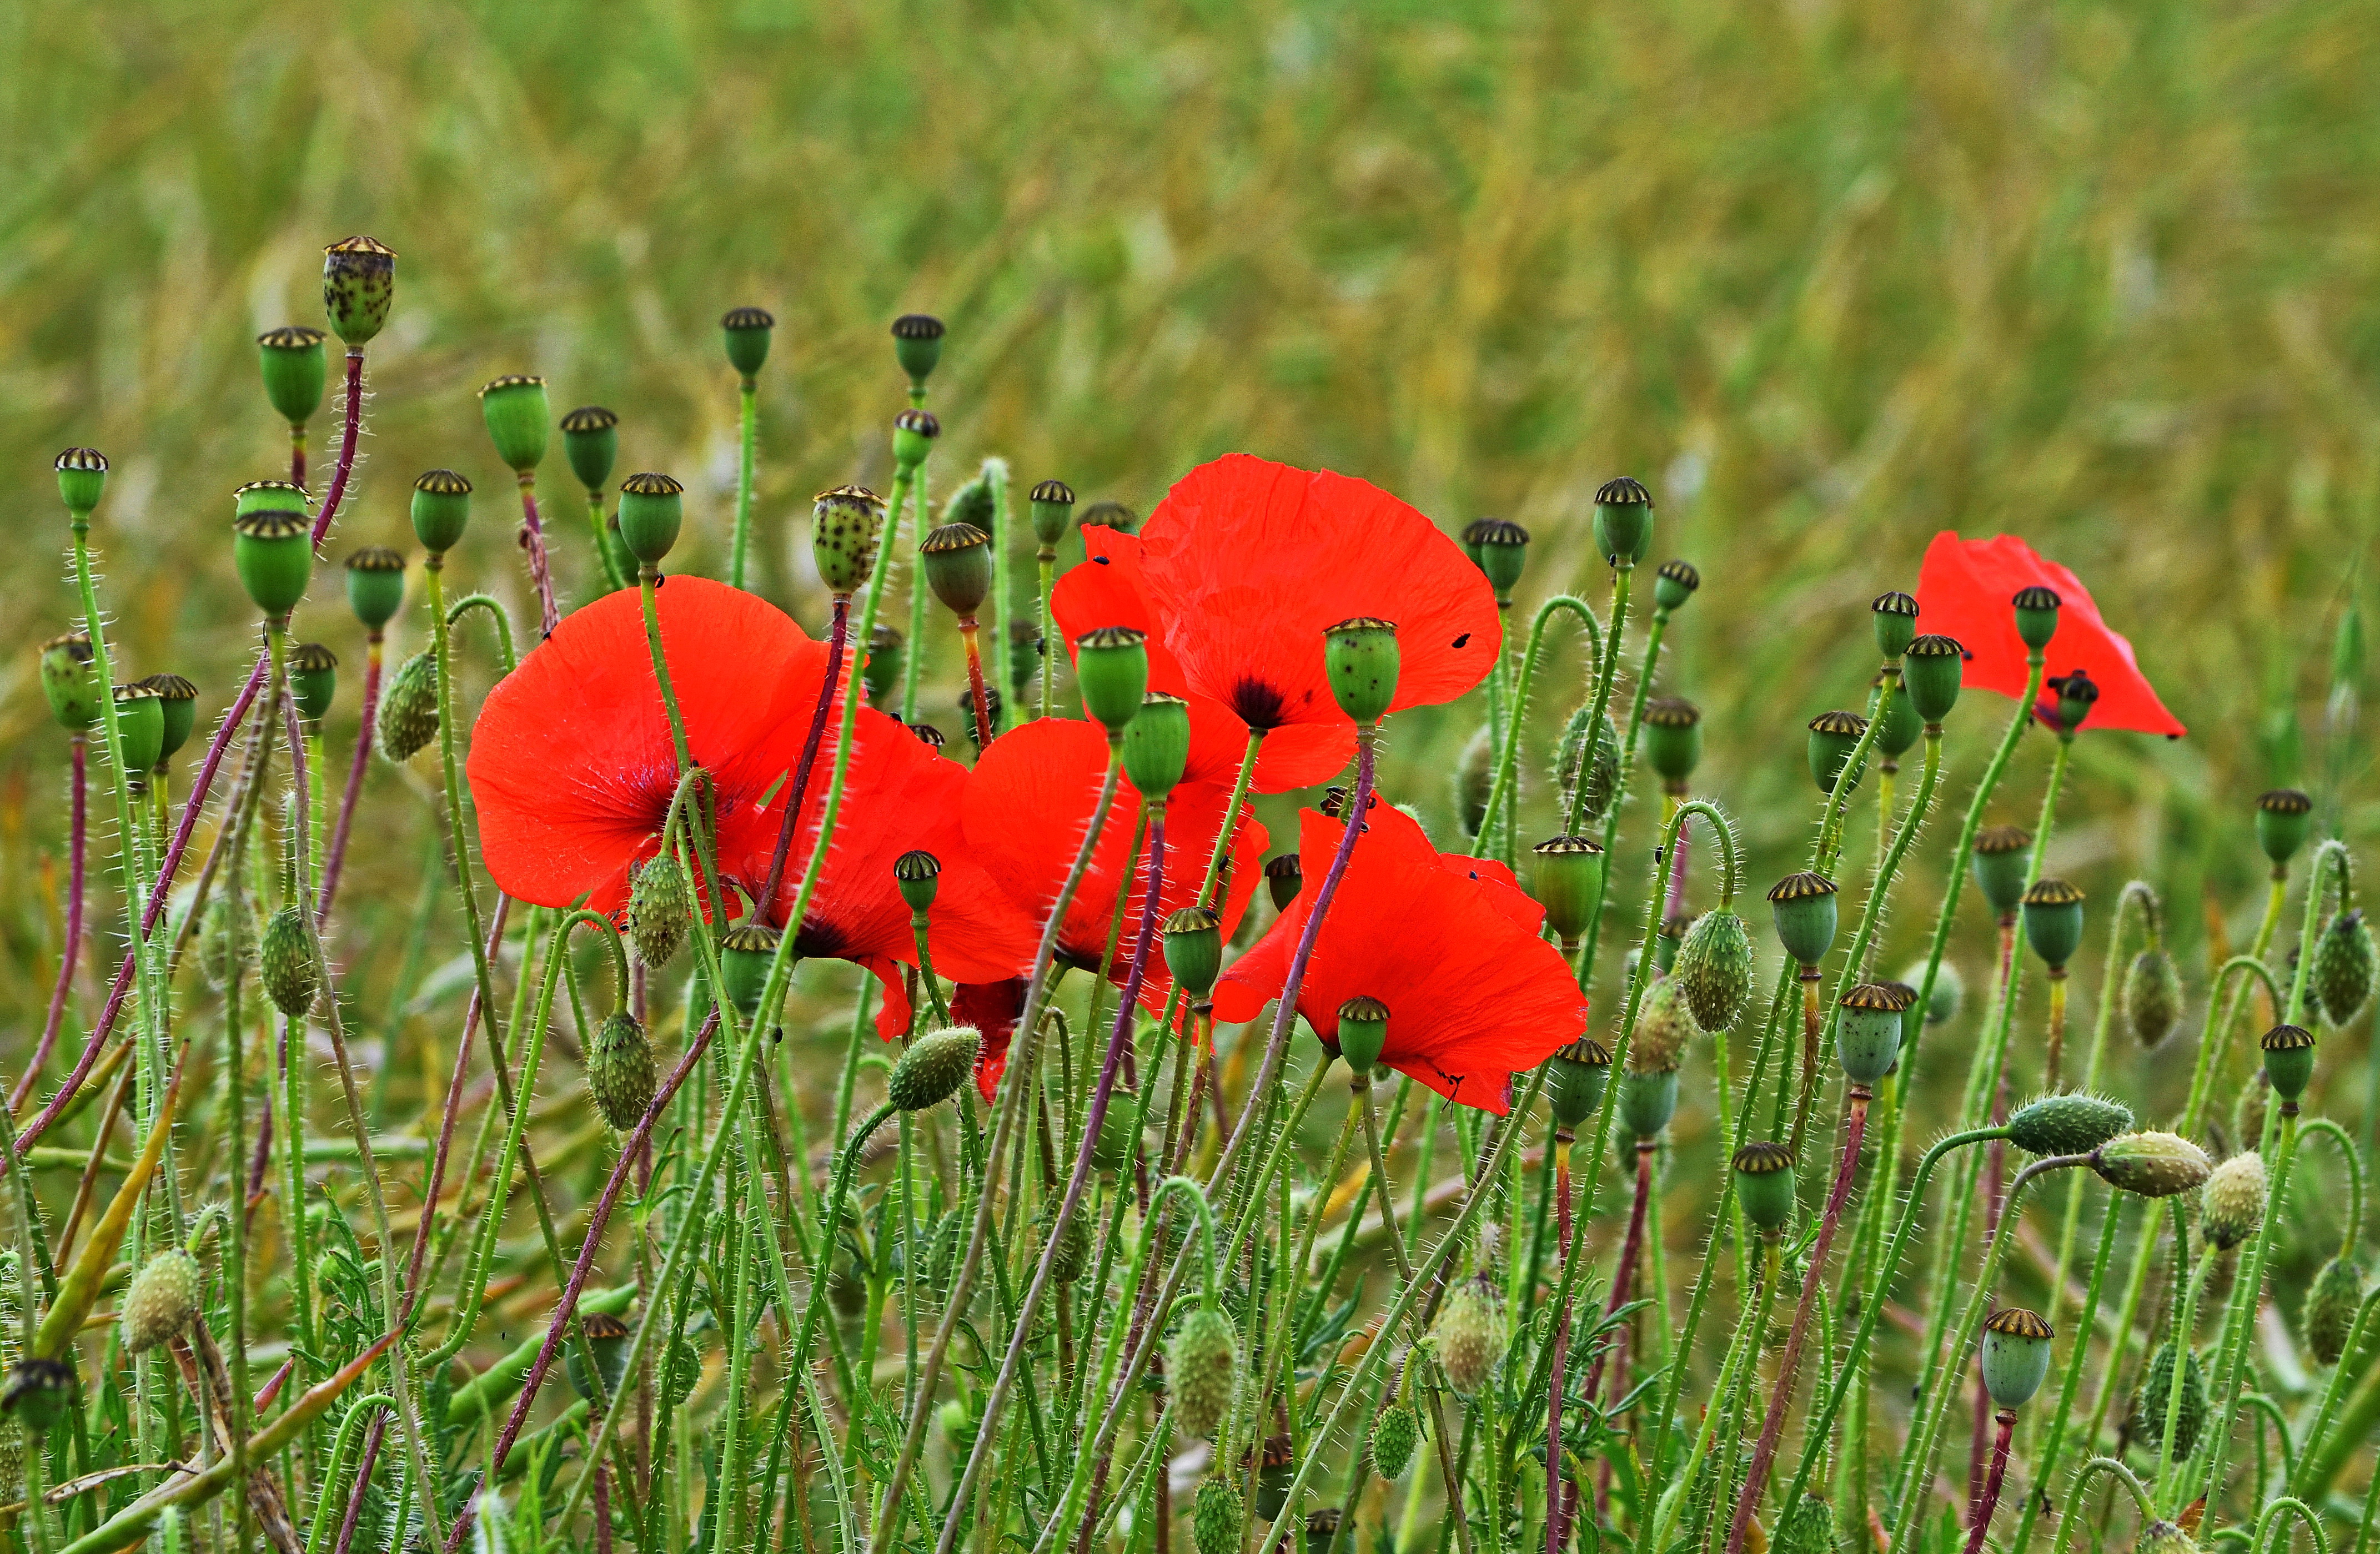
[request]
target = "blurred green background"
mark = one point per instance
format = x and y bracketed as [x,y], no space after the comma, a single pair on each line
[1829,274]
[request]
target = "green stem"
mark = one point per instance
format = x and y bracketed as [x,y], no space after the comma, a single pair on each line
[1500,791]
[2078,1353]
[747,435]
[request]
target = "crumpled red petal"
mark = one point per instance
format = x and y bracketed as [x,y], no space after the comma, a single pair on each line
[993,1009]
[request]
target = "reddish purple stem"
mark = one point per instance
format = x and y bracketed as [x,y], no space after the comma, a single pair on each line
[336,861]
[447,1121]
[1990,1502]
[533,541]
[354,420]
[373,1435]
[1558,1513]
[72,948]
[1631,1251]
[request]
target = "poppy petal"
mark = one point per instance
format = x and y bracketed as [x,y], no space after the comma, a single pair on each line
[993,1009]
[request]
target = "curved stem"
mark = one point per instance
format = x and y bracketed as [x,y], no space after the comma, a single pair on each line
[2045,1468]
[540,571]
[507,660]
[1500,791]
[2247,1288]
[2353,1230]
[2307,1483]
[1608,672]
[2268,1523]
[2103,1467]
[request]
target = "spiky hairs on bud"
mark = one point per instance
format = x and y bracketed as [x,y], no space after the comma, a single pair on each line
[1662,1030]
[933,1069]
[1201,1366]
[2154,1165]
[2330,1306]
[1073,1258]
[2071,1123]
[2163,1537]
[621,1075]
[287,967]
[2149,1404]
[161,1301]
[2233,1200]
[2344,963]
[660,905]
[1601,769]
[1470,1334]
[1807,1528]
[1713,968]
[408,709]
[1214,1517]
[2152,995]
[1395,1433]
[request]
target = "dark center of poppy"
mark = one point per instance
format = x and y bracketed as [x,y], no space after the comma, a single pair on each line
[1259,705]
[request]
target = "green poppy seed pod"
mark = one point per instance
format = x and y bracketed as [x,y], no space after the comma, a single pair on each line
[1111,514]
[746,333]
[2233,1202]
[1673,740]
[70,680]
[1470,1333]
[1157,745]
[2151,996]
[590,441]
[1193,949]
[1214,1517]
[956,559]
[2154,1165]
[273,553]
[1073,1256]
[1949,990]
[2071,1123]
[1623,520]
[140,727]
[1363,1035]
[1581,1071]
[607,1340]
[2343,966]
[259,496]
[2053,921]
[1713,968]
[1111,671]
[375,586]
[2283,815]
[842,538]
[1674,584]
[1805,909]
[1395,1432]
[291,361]
[1563,881]
[441,505]
[314,680]
[934,1068]
[745,954]
[82,476]
[40,1393]
[1763,1185]
[2163,1537]
[1647,1100]
[1833,736]
[161,1300]
[660,907]
[408,709]
[621,1075]
[1475,775]
[1360,656]
[12,1457]
[919,875]
[2288,1061]
[1900,725]
[287,965]
[2002,854]
[1052,509]
[1867,1035]
[913,437]
[1113,1150]
[178,704]
[2156,1401]
[1664,1026]
[2076,693]
[517,415]
[1500,548]
[1930,668]
[1895,615]
[653,509]
[1322,1528]
[1284,877]
[917,346]
[1201,1369]
[1807,1528]
[882,673]
[2015,1358]
[2331,1303]
[358,280]
[2036,616]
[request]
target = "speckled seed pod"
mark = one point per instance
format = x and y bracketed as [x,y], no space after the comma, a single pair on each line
[408,709]
[621,1075]
[660,905]
[2330,1305]
[1201,1366]
[1470,1334]
[161,1300]
[2149,1404]
[359,281]
[2067,1124]
[2151,996]
[2015,1357]
[1713,968]
[2154,1165]
[2233,1201]
[287,968]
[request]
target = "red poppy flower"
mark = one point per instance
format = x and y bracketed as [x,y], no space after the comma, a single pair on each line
[1248,562]
[993,1009]
[1473,994]
[1963,591]
[1026,804]
[572,764]
[1109,588]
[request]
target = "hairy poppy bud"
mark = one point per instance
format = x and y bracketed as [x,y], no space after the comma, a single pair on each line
[1214,1517]
[1898,725]
[408,709]
[1470,1333]
[1623,520]
[2067,1124]
[1283,874]
[1194,949]
[2154,1165]
[1475,775]
[1157,745]
[314,680]
[140,727]
[652,508]
[620,1072]
[747,331]
[291,361]
[1805,908]
[70,680]
[2283,815]
[661,904]
[161,1300]
[1111,670]
[934,1068]
[2076,693]
[1895,615]
[1930,668]
[1713,968]
[358,280]
[2015,1359]
[1201,1366]
[1498,548]
[2163,1537]
[882,673]
[917,346]
[1674,584]
[1363,1033]
[1395,1433]
[842,539]
[177,708]
[2154,1402]
[2151,996]
[2002,854]
[286,959]
[1949,990]
[82,476]
[2053,921]
[2331,1303]
[1052,507]
[918,874]
[441,505]
[1807,1528]
[1581,1072]
[1648,1098]
[1663,1029]
[1673,740]
[1360,656]
[2343,966]
[1763,1185]
[956,559]
[2232,1203]
[1073,1256]
[1115,1147]
[746,952]
[590,441]
[39,1391]
[1867,1035]
[913,437]
[2036,616]
[1833,737]
[1598,768]
[1564,878]
[273,553]
[375,586]
[2289,1062]
[607,1340]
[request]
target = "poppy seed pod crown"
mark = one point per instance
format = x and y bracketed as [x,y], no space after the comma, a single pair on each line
[179,703]
[2288,1061]
[590,439]
[514,408]
[1052,505]
[314,680]
[273,550]
[2002,856]
[1805,908]
[917,346]
[1193,948]
[1581,1070]
[140,727]
[358,280]
[746,333]
[1895,615]
[291,361]
[1157,745]
[256,496]
[745,954]
[1360,656]
[1929,669]
[2053,921]
[1764,1184]
[82,476]
[375,585]
[1111,671]
[1500,547]
[1867,1035]
[1674,584]
[652,508]
[2015,1358]
[1833,736]
[441,505]
[2283,815]
[1567,869]
[1673,740]
[2037,616]
[956,559]
[1623,520]
[1363,1035]
[1283,875]
[919,873]
[70,680]
[913,437]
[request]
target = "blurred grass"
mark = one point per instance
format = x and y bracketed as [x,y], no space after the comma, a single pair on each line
[1831,277]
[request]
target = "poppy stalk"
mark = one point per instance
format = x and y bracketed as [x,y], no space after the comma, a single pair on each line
[335,860]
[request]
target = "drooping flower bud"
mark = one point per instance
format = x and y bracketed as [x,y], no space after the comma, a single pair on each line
[1674,584]
[1581,1072]
[660,907]
[747,331]
[1111,671]
[70,680]
[917,346]
[746,952]
[82,476]
[1867,1039]
[359,281]
[1895,615]
[1157,745]
[140,727]
[1500,548]
[2283,815]
[2053,921]
[1363,1034]
[441,505]
[1214,1517]
[2151,996]
[590,441]
[2331,1303]
[291,361]
[287,965]
[2037,616]
[2164,1537]
[2232,1203]
[226,939]
[160,1301]
[653,509]
[273,550]
[956,560]
[1673,740]
[1930,669]
[1623,520]
[621,1075]
[375,586]
[2002,854]
[2288,1061]
[1807,1528]
[2156,1402]
[2154,1165]
[408,709]
[1647,1099]
[1713,968]
[2067,1124]
[1663,1029]
[1833,736]
[1805,908]
[2344,963]
[1283,875]
[1395,1432]
[1360,657]
[934,1068]
[1763,1185]
[1470,1333]
[1052,509]
[2015,1358]
[1563,881]
[1201,1369]
[913,433]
